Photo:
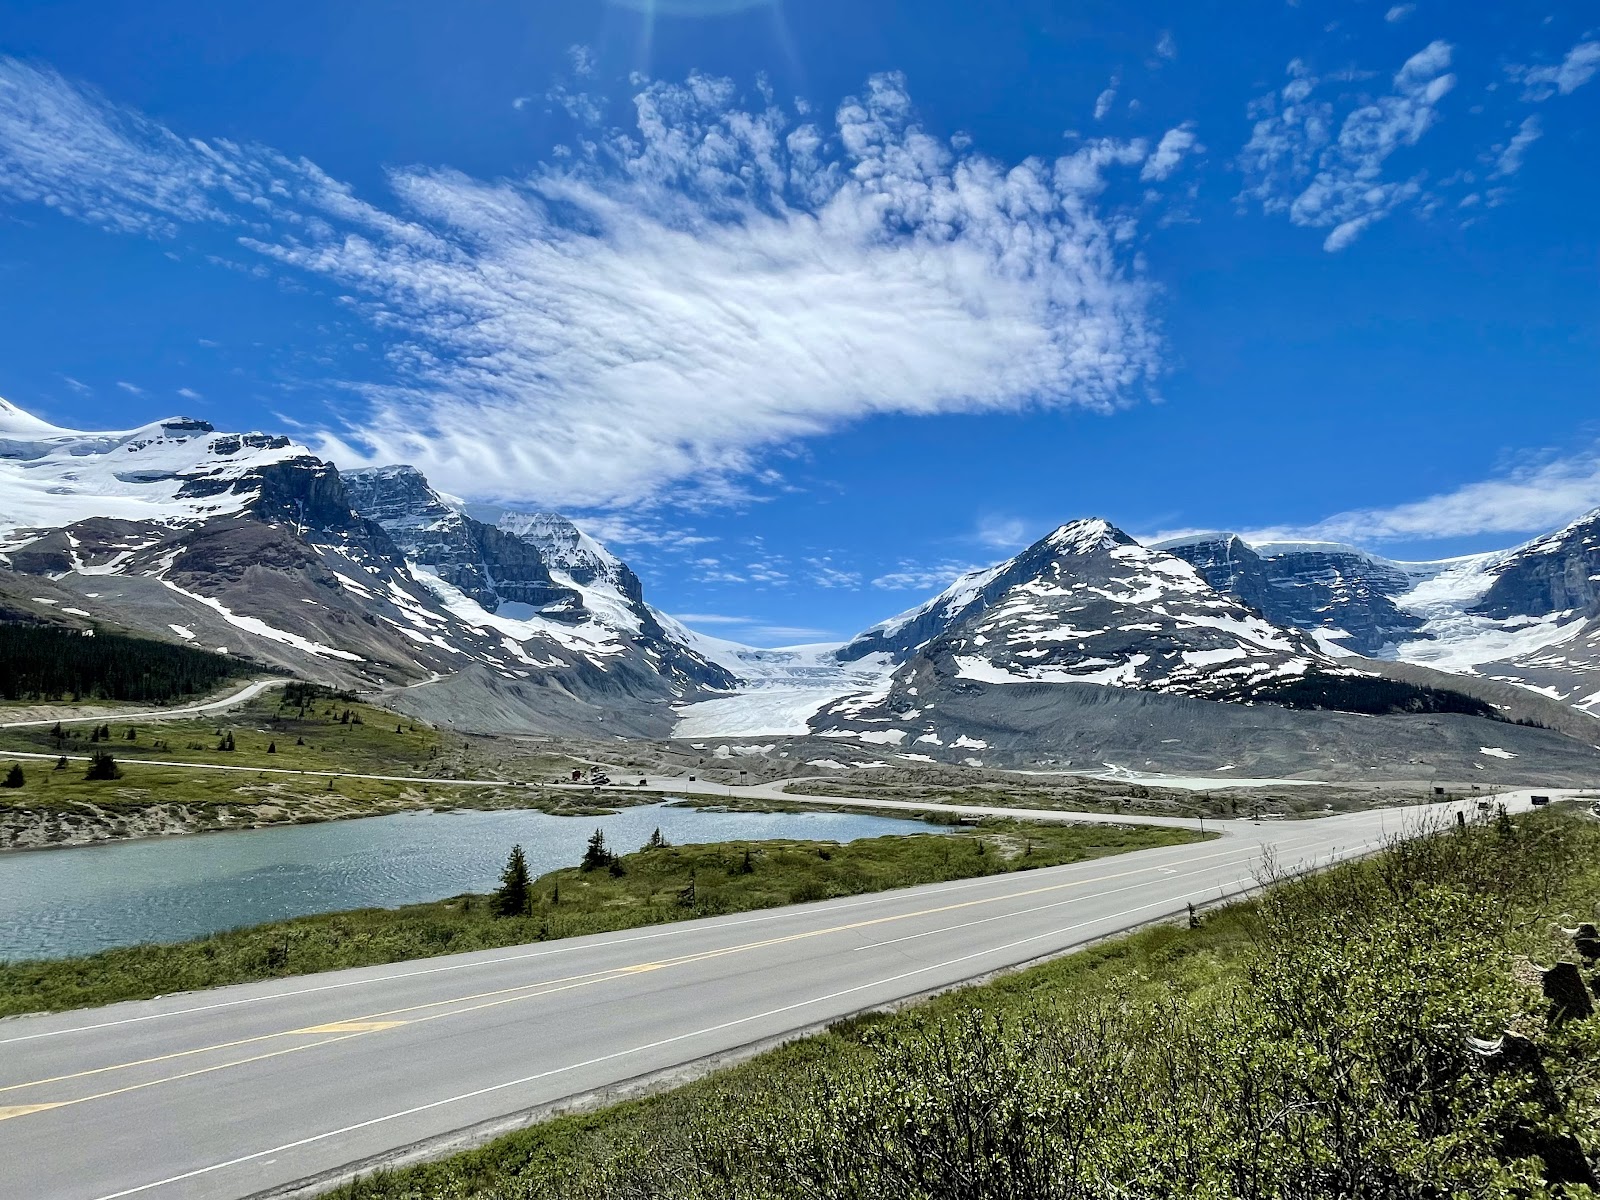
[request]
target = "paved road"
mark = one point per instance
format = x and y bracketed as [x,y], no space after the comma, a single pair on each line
[230,1093]
[249,692]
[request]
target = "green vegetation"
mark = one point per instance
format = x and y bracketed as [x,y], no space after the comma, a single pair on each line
[46,662]
[1319,1042]
[657,884]
[1369,694]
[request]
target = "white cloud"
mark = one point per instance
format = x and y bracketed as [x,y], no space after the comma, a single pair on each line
[1003,533]
[1166,47]
[713,619]
[190,394]
[1297,163]
[1399,12]
[1169,152]
[653,315]
[1535,496]
[1509,157]
[1566,77]
[1104,101]
[582,60]
[77,385]
[824,573]
[922,577]
[521,102]
[134,388]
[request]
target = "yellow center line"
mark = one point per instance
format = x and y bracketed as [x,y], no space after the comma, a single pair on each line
[382,1021]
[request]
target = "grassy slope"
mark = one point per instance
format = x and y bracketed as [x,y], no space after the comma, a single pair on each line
[55,806]
[1309,1044]
[651,891]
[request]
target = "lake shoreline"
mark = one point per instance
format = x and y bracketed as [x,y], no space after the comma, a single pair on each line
[778,860]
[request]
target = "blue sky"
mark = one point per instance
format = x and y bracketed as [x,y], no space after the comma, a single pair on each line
[807,307]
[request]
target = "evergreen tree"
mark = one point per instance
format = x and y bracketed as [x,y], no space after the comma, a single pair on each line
[133,734]
[56,732]
[657,842]
[95,736]
[595,855]
[14,778]
[40,662]
[616,868]
[61,763]
[272,747]
[747,864]
[103,766]
[299,741]
[686,897]
[513,898]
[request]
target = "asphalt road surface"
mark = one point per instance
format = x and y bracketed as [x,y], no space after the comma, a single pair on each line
[256,1088]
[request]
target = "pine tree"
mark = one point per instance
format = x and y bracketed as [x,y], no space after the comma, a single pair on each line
[61,763]
[272,747]
[616,868]
[686,897]
[595,855]
[299,741]
[133,734]
[657,842]
[95,736]
[512,898]
[103,766]
[14,778]
[56,732]
[747,865]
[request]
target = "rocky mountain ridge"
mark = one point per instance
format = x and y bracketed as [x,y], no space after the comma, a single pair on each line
[251,545]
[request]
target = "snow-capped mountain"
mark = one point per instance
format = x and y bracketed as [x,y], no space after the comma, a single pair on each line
[1086,605]
[532,577]
[1089,604]
[1529,616]
[250,544]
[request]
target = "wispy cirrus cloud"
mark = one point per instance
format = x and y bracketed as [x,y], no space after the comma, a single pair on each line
[650,315]
[922,577]
[1330,172]
[1533,496]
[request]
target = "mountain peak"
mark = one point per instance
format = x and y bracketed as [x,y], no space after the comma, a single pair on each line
[1087,536]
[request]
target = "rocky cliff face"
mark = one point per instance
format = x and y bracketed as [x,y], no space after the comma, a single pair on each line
[1339,591]
[1553,574]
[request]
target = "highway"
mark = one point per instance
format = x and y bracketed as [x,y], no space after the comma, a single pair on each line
[258,1088]
[232,700]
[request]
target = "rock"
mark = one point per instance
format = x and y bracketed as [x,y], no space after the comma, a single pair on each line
[1569,998]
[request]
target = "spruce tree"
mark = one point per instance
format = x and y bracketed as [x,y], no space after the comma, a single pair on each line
[103,766]
[657,842]
[61,763]
[512,898]
[272,747]
[56,732]
[595,855]
[14,777]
